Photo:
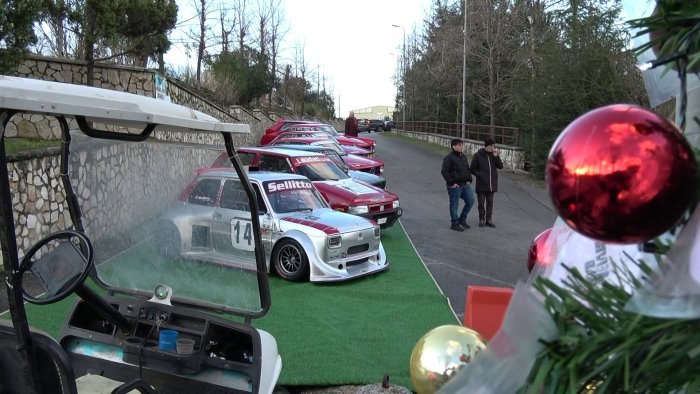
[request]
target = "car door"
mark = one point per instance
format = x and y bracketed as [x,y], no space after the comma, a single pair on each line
[232,229]
[267,222]
[202,198]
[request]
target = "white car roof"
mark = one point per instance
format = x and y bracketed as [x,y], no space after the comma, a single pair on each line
[105,106]
[286,152]
[260,176]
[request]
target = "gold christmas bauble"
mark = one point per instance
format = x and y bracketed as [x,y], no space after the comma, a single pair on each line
[440,354]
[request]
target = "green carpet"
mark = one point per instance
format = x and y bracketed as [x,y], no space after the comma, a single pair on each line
[342,333]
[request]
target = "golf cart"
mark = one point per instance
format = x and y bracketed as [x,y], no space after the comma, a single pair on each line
[143,321]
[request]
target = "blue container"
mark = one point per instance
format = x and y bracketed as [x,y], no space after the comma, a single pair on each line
[168,340]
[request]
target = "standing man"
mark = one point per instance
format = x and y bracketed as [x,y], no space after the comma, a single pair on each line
[484,166]
[351,125]
[455,170]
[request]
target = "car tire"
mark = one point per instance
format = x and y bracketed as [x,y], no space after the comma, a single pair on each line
[290,261]
[169,242]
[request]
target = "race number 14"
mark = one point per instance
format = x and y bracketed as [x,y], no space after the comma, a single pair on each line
[242,234]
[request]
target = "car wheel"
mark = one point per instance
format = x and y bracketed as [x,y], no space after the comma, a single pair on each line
[169,242]
[290,261]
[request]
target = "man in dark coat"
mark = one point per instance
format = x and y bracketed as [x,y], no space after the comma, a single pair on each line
[455,170]
[351,125]
[484,166]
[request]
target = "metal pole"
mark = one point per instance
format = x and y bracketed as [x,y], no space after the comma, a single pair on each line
[464,75]
[403,111]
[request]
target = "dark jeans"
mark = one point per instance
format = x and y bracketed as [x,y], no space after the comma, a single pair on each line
[487,212]
[455,193]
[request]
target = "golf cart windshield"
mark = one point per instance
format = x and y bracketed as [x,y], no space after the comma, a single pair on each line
[125,191]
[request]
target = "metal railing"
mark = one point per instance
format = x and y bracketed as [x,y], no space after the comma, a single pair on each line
[500,134]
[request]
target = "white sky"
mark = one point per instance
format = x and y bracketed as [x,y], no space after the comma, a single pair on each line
[350,42]
[353,44]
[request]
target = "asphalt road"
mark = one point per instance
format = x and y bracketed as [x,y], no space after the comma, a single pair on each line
[478,256]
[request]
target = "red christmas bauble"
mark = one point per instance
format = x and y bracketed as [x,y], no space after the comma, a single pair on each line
[537,252]
[621,174]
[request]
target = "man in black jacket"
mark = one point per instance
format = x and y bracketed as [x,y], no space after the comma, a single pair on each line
[455,170]
[484,166]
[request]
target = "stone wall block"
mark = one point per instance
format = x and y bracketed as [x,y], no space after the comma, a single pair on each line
[26,129]
[113,77]
[124,78]
[11,130]
[31,221]
[41,66]
[67,75]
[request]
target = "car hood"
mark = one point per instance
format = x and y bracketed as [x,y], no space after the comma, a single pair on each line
[356,162]
[351,149]
[342,140]
[352,192]
[374,180]
[325,220]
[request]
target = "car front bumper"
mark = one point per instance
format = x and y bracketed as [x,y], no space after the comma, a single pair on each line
[354,266]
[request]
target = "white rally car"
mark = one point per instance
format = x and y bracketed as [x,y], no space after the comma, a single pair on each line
[303,238]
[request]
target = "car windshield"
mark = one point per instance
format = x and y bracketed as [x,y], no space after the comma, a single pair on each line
[318,168]
[151,224]
[335,157]
[329,144]
[292,195]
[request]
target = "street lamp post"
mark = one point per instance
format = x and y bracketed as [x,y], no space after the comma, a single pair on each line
[403,111]
[464,75]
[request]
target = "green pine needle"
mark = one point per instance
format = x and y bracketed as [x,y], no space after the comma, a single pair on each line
[611,350]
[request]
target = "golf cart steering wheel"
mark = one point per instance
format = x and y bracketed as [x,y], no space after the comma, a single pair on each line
[58,272]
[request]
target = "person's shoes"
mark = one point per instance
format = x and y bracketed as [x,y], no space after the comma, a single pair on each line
[482,222]
[490,224]
[464,224]
[456,227]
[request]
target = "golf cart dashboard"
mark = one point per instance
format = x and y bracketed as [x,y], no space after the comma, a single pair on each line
[208,343]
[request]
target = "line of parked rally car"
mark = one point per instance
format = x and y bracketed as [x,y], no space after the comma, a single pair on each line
[321,200]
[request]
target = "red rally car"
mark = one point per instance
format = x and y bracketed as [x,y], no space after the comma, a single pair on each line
[282,126]
[342,192]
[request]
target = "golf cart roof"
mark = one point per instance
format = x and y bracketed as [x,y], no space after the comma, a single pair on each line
[105,106]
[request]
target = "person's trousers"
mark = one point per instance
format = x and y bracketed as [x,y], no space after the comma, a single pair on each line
[485,212]
[455,194]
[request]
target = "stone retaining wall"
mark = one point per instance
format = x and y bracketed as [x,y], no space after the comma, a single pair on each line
[512,156]
[116,175]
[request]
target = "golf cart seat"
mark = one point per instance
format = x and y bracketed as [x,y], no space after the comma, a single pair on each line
[54,368]
[55,371]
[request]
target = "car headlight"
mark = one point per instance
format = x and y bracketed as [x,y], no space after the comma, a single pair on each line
[358,210]
[335,241]
[395,204]
[377,232]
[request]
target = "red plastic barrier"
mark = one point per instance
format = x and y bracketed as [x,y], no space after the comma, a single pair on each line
[485,308]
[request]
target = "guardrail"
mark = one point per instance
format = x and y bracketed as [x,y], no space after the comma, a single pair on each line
[500,134]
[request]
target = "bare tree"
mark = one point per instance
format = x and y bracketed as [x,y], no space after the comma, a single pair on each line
[295,86]
[201,36]
[55,32]
[226,26]
[490,47]
[276,32]
[243,22]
